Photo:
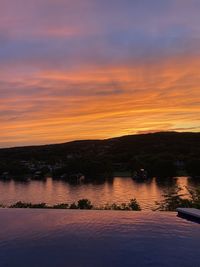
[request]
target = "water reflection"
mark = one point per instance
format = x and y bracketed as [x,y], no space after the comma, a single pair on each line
[166,183]
[118,189]
[98,238]
[193,182]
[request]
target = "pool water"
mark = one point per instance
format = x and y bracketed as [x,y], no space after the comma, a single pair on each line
[62,238]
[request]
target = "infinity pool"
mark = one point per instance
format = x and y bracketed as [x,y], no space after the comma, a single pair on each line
[71,238]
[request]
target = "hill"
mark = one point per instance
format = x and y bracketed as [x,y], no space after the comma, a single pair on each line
[162,153]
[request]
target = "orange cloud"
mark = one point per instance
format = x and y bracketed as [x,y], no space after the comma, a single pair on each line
[93,103]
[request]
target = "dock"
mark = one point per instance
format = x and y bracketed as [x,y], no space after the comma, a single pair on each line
[189,213]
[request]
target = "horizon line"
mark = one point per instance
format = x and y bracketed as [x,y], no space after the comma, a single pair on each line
[103,139]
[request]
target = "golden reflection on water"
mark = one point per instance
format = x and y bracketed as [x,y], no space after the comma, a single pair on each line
[118,189]
[183,184]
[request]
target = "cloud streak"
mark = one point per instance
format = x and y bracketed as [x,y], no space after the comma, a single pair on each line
[73,70]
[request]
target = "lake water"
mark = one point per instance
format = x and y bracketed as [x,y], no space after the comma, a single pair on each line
[119,189]
[50,238]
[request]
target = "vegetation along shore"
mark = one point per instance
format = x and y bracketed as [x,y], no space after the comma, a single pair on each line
[172,200]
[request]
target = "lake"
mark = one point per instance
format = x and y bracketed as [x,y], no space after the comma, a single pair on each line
[118,189]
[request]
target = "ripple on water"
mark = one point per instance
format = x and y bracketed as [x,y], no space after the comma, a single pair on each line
[96,238]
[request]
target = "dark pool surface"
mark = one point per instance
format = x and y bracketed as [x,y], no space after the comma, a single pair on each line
[74,238]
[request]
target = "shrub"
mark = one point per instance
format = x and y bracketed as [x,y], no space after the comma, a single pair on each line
[73,206]
[134,205]
[173,199]
[84,204]
[28,205]
[61,206]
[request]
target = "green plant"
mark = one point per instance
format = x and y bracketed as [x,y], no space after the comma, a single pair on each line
[173,199]
[84,204]
[61,206]
[134,205]
[28,205]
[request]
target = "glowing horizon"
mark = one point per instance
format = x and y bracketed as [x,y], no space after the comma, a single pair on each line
[71,70]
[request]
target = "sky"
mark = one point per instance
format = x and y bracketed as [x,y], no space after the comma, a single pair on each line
[95,69]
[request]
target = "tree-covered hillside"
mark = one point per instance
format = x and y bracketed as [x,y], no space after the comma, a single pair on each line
[161,154]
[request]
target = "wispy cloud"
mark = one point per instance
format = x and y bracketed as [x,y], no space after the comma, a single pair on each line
[96,69]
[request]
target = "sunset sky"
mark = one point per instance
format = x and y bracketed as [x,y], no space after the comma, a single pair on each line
[90,69]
